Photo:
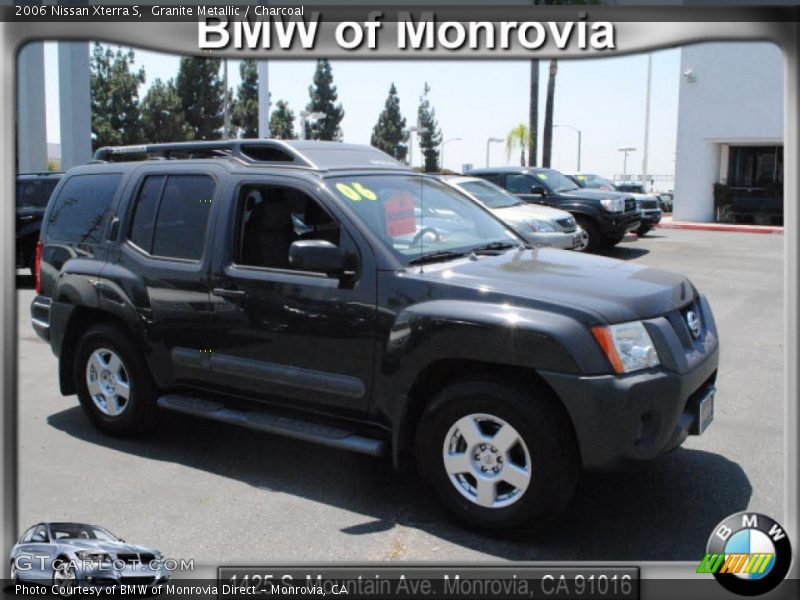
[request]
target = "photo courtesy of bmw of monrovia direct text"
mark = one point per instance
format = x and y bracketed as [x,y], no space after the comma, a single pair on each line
[363,301]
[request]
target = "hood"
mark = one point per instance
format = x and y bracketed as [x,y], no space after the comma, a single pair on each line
[593,194]
[107,547]
[524,212]
[602,289]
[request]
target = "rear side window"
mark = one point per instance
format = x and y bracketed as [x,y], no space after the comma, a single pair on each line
[79,211]
[34,193]
[171,215]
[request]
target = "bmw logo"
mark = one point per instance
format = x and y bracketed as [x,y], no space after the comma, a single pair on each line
[748,554]
[693,321]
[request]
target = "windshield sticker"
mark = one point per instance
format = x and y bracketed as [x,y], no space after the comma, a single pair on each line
[356,192]
[348,192]
[400,218]
[364,191]
[580,177]
[542,176]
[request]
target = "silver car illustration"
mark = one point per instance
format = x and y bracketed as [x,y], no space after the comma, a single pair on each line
[76,554]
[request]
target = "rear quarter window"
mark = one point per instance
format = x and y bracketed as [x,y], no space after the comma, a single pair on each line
[34,193]
[78,212]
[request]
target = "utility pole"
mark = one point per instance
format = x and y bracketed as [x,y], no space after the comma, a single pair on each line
[226,123]
[491,140]
[626,151]
[263,99]
[647,119]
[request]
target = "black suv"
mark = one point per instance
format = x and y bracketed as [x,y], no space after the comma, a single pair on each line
[33,192]
[326,292]
[605,217]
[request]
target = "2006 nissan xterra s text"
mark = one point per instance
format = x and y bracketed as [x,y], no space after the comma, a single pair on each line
[326,292]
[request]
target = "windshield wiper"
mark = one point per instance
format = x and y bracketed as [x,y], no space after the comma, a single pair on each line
[494,246]
[435,256]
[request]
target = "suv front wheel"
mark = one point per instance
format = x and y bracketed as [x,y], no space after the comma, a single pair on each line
[114,386]
[497,455]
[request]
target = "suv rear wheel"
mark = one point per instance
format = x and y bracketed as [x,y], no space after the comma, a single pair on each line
[496,455]
[114,386]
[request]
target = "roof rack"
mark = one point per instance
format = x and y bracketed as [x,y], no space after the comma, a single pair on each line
[309,154]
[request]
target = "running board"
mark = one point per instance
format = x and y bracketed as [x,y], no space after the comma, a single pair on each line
[271,423]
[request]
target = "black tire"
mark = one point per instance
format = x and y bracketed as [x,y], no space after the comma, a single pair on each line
[66,591]
[594,243]
[644,230]
[547,433]
[137,415]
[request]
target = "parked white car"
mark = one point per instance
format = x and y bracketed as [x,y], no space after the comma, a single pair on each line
[538,225]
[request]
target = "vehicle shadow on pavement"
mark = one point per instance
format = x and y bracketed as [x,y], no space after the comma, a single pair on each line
[625,252]
[663,510]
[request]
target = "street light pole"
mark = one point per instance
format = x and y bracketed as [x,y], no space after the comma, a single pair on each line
[647,119]
[580,140]
[441,149]
[626,151]
[490,141]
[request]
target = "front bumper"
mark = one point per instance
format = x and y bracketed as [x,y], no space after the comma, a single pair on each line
[650,216]
[614,226]
[642,415]
[556,239]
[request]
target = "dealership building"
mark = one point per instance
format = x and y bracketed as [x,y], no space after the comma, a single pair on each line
[729,154]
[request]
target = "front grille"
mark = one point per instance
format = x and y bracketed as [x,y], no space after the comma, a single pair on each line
[648,204]
[138,580]
[567,224]
[630,204]
[129,559]
[147,558]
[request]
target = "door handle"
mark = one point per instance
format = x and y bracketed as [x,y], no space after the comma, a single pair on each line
[234,295]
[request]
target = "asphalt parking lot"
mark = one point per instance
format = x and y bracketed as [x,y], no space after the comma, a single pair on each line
[214,493]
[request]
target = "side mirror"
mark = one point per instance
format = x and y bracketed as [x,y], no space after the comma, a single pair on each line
[319,256]
[538,190]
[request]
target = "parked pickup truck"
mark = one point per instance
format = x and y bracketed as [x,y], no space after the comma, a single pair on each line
[604,217]
[296,288]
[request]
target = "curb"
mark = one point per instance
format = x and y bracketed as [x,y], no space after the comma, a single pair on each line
[769,229]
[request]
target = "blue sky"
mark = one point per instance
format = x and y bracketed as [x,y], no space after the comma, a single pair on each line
[475,100]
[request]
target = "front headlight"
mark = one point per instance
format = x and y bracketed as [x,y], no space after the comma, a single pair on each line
[615,205]
[541,226]
[627,346]
[93,558]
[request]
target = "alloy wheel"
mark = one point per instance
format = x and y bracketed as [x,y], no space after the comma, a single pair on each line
[108,382]
[487,460]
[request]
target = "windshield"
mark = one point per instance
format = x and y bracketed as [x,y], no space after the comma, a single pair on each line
[489,194]
[595,182]
[416,215]
[554,181]
[79,531]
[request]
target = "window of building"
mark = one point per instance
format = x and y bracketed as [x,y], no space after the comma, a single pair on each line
[756,167]
[78,213]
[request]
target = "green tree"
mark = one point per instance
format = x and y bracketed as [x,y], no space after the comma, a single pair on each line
[281,122]
[389,132]
[430,137]
[116,119]
[323,98]
[202,95]
[518,138]
[245,108]
[162,114]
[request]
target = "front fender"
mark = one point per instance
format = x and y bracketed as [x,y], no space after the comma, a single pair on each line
[443,331]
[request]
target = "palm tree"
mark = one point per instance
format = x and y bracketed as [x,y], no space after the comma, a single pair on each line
[533,114]
[547,141]
[518,137]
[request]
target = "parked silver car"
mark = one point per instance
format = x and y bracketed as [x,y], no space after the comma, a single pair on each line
[538,225]
[75,554]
